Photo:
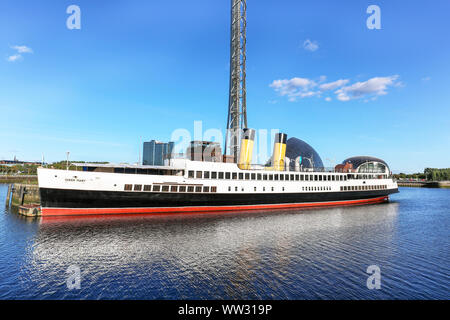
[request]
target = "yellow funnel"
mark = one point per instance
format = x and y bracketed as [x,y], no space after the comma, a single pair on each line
[245,157]
[279,151]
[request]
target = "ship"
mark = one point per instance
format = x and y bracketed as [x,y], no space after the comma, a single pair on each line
[207,180]
[213,183]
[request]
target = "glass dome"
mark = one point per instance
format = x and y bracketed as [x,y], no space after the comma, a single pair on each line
[309,158]
[367,164]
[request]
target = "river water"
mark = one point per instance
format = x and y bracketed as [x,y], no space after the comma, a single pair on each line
[307,254]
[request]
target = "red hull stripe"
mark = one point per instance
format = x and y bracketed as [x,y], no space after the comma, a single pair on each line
[93,211]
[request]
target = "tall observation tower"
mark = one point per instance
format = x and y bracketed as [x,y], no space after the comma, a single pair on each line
[237,106]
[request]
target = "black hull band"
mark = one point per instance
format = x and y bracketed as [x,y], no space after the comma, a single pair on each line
[64,198]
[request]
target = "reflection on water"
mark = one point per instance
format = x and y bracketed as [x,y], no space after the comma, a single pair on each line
[240,252]
[283,255]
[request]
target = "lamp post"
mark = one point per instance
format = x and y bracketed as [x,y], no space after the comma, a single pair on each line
[332,162]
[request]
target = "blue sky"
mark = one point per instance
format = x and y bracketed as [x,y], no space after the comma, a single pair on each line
[145,68]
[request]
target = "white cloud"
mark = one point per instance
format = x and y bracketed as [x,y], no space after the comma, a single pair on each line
[286,86]
[342,97]
[373,87]
[310,45]
[334,85]
[14,58]
[18,55]
[298,88]
[426,78]
[22,49]
[294,88]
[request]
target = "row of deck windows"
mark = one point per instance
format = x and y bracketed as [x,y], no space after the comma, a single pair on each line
[367,176]
[264,176]
[316,188]
[255,189]
[167,188]
[172,188]
[361,188]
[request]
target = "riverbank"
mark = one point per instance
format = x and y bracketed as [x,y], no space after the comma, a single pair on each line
[424,184]
[27,179]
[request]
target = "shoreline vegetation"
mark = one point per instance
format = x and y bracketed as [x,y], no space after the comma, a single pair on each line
[429,174]
[31,169]
[27,173]
[430,178]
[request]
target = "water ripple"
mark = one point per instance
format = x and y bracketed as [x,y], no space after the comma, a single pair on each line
[309,254]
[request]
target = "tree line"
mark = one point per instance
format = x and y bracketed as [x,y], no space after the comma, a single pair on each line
[429,174]
[31,169]
[437,174]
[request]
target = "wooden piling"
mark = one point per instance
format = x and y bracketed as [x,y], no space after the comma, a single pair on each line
[8,195]
[22,192]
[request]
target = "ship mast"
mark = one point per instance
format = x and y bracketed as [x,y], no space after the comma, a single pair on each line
[237,106]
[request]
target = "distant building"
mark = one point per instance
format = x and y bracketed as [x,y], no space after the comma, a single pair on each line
[367,164]
[204,151]
[155,152]
[302,154]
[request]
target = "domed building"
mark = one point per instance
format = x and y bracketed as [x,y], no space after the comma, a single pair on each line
[299,151]
[365,164]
